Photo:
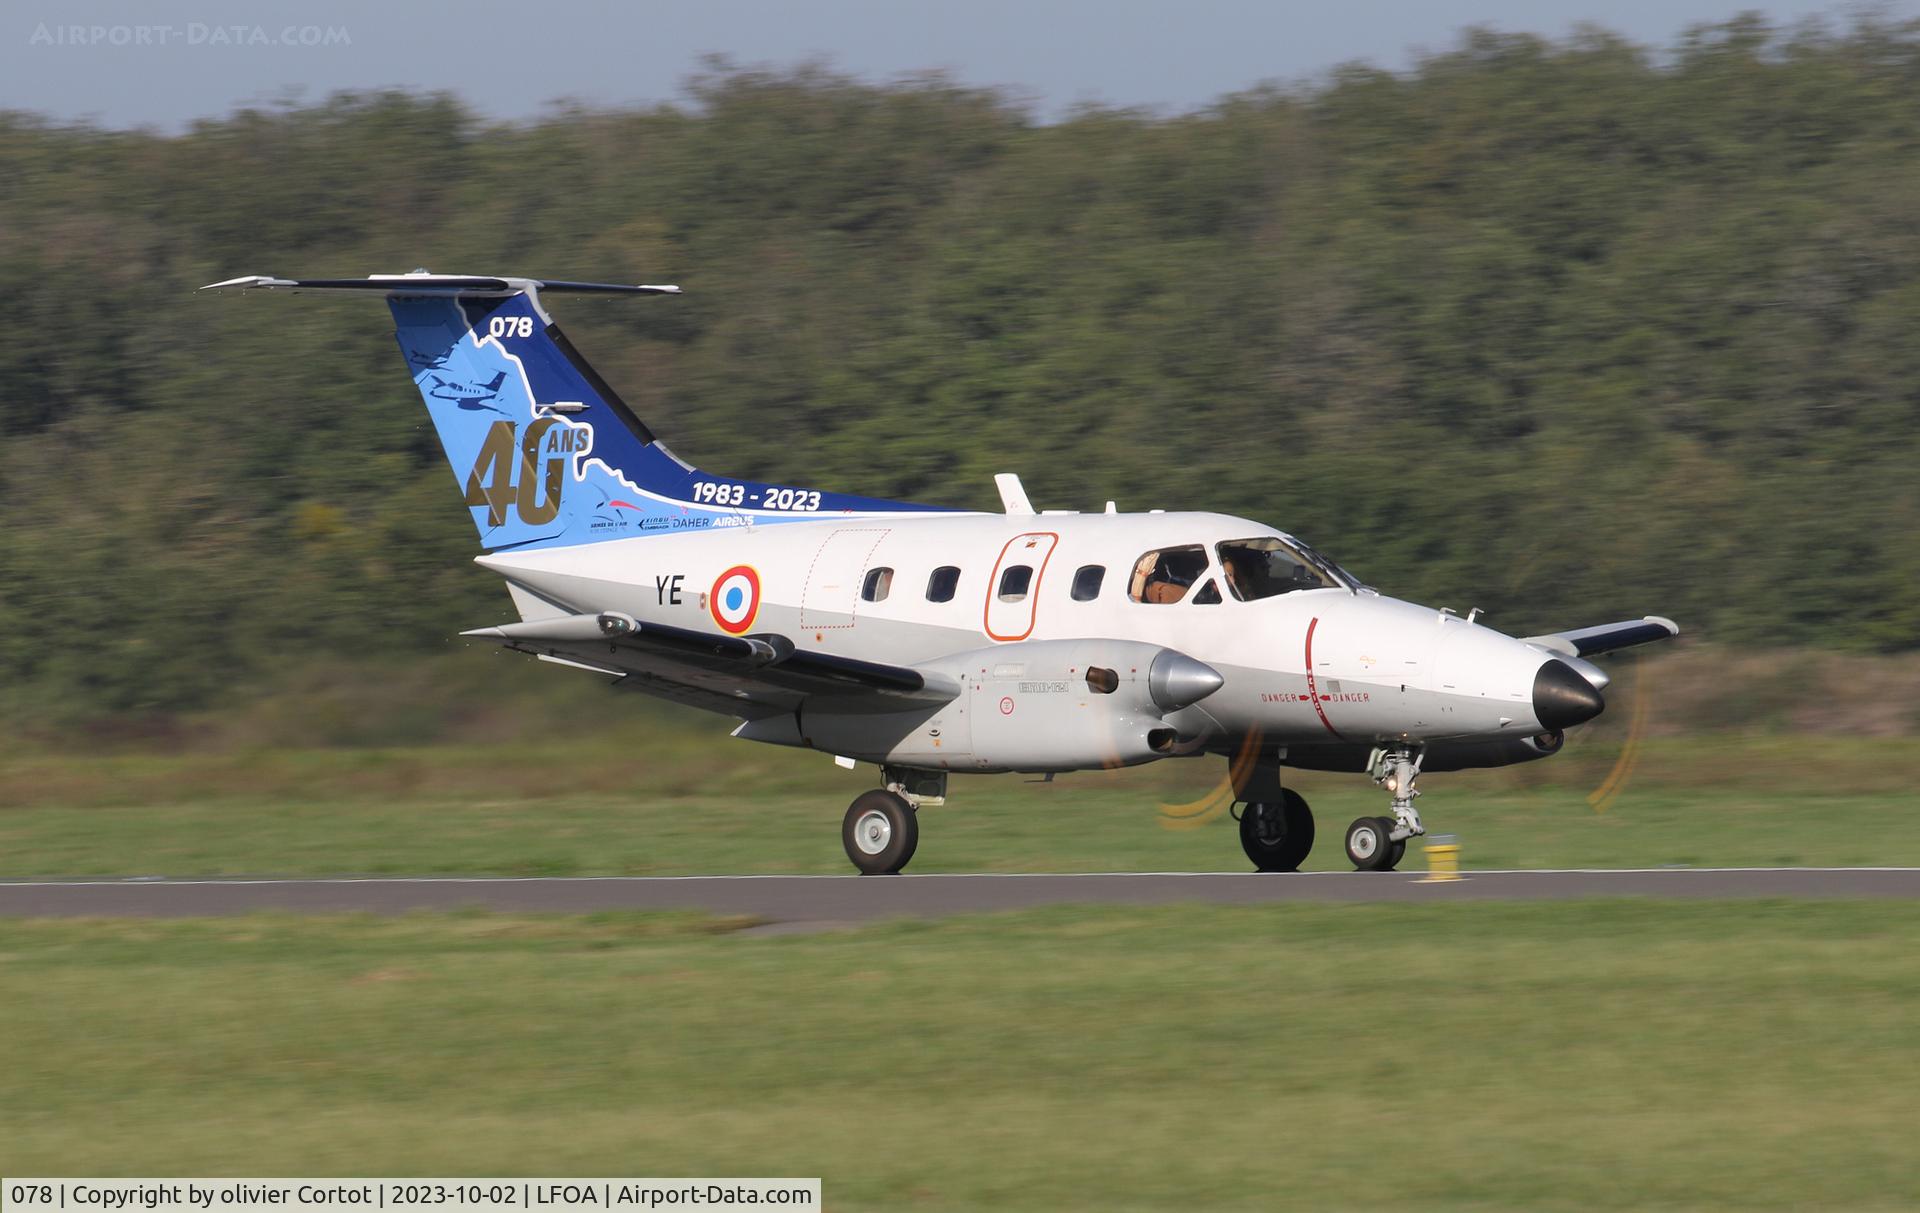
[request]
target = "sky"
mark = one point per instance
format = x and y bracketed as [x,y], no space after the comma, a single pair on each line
[163,63]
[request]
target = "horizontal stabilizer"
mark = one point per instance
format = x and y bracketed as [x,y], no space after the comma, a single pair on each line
[423,283]
[1606,637]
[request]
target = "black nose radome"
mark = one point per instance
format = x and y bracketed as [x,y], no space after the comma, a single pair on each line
[1562,699]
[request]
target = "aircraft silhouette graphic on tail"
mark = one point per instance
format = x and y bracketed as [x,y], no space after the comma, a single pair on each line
[470,396]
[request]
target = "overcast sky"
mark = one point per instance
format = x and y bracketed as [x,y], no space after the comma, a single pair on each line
[164,63]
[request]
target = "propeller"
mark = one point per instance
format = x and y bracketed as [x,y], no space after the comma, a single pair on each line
[1609,789]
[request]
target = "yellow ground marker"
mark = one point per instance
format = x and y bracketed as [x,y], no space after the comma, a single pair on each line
[1443,860]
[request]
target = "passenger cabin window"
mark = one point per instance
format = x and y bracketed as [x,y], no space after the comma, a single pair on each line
[941,585]
[1208,595]
[1264,568]
[878,585]
[1015,582]
[1086,582]
[1166,575]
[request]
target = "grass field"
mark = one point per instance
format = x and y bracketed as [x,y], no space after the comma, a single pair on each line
[1539,1056]
[1624,1055]
[689,802]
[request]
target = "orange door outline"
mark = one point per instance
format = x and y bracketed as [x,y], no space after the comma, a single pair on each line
[1033,591]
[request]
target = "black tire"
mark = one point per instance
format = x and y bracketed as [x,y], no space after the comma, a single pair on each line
[880,832]
[1369,847]
[1277,837]
[1399,849]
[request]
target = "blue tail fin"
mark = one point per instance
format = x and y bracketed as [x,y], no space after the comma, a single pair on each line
[544,451]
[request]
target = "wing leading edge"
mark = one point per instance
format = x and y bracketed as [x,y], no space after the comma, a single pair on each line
[1606,637]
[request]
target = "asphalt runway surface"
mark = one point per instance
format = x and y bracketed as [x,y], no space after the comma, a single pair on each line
[825,900]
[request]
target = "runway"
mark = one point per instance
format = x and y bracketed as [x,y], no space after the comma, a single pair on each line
[854,899]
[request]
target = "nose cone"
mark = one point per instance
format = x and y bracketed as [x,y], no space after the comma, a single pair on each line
[1562,699]
[1176,680]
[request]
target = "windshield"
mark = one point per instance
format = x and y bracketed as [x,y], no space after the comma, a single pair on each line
[1266,567]
[1324,563]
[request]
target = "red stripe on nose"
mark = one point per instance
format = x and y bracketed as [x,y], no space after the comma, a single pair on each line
[1313,689]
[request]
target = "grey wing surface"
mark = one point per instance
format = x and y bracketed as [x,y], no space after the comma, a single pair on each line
[1607,637]
[748,676]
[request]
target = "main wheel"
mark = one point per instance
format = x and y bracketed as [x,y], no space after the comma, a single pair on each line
[1370,844]
[1399,849]
[880,832]
[1277,836]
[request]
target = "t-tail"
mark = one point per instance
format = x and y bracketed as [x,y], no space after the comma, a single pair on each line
[544,451]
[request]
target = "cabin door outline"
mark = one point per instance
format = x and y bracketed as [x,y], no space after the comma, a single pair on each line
[1010,621]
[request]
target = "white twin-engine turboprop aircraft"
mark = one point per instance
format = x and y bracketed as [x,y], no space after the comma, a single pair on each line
[930,640]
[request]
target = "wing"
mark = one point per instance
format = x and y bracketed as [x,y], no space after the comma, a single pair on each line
[1605,638]
[750,676]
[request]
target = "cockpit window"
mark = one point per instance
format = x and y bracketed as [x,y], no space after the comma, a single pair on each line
[1167,574]
[1265,567]
[1320,560]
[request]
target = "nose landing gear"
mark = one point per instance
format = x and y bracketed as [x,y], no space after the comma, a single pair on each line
[1370,846]
[1376,844]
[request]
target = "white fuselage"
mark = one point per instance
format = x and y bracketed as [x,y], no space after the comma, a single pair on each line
[1312,667]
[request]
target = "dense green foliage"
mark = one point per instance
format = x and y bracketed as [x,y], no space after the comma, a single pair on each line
[1570,331]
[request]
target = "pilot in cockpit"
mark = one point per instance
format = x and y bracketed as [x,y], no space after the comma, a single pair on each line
[1166,576]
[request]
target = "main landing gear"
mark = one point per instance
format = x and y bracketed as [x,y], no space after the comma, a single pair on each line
[1276,826]
[880,832]
[1277,835]
[1376,844]
[882,827]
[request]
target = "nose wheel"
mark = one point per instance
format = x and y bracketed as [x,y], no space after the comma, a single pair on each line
[1371,846]
[880,832]
[1377,844]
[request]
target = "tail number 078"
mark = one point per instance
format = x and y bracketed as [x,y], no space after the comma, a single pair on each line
[510,326]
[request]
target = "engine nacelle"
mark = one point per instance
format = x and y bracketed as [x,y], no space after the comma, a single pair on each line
[1037,705]
[1469,755]
[1058,705]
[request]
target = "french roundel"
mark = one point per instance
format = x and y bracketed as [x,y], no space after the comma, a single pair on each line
[735,599]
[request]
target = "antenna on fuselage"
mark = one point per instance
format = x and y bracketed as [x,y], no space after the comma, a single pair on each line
[1013,495]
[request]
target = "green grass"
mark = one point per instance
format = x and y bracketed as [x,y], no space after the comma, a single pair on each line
[1623,1055]
[687,803]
